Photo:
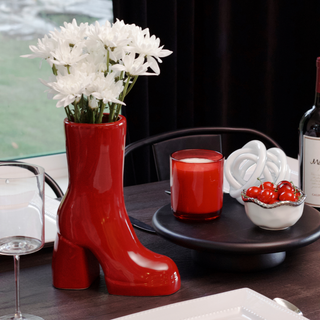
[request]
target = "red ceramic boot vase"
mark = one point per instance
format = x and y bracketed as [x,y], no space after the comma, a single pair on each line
[93,225]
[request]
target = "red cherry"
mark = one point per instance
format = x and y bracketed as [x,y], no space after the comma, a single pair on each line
[285,188]
[284,182]
[267,185]
[276,192]
[253,192]
[297,195]
[287,196]
[265,196]
[244,198]
[274,195]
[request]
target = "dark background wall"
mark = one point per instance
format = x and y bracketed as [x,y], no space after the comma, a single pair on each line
[235,63]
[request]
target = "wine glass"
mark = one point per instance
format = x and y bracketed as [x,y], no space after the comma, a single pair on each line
[21,218]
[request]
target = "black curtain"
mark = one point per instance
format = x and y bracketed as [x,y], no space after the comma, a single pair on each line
[235,63]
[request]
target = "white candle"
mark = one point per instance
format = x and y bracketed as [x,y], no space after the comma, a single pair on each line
[196,160]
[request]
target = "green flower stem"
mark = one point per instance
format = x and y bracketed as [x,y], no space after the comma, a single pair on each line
[112,112]
[68,113]
[82,103]
[102,106]
[90,115]
[132,84]
[76,113]
[108,58]
[65,109]
[124,92]
[118,106]
[54,70]
[93,116]
[118,109]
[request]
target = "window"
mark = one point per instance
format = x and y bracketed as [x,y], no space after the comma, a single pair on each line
[31,125]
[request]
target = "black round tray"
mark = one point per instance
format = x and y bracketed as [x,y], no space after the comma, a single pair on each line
[232,241]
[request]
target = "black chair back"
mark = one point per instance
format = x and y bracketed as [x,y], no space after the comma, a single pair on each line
[140,165]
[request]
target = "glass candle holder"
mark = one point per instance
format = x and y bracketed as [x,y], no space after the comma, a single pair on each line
[196,181]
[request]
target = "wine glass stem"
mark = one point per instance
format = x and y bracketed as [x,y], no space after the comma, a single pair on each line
[17,314]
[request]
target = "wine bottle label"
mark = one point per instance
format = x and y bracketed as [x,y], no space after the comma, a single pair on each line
[311,170]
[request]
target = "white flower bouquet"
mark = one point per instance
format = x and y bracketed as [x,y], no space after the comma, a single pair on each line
[95,67]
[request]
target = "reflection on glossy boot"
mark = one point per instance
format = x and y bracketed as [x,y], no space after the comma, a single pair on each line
[151,274]
[93,225]
[137,273]
[73,267]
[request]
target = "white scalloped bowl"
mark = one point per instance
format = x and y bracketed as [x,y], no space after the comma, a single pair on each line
[277,216]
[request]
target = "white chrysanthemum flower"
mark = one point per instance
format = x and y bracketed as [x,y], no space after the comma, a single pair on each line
[119,25]
[93,102]
[105,88]
[128,30]
[116,54]
[68,87]
[150,48]
[66,55]
[133,66]
[71,32]
[96,60]
[108,36]
[44,48]
[97,84]
[60,69]
[85,67]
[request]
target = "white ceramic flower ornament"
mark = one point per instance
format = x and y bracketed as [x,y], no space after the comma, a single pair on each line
[252,161]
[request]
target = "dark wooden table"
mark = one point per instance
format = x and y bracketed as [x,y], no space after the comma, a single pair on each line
[297,279]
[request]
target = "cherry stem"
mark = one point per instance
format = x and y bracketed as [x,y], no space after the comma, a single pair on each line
[261,185]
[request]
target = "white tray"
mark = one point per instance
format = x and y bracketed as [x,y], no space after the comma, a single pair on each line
[238,304]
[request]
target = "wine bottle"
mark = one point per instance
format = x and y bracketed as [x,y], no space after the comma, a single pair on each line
[309,149]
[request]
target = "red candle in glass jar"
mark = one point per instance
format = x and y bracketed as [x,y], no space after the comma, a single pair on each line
[196,180]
